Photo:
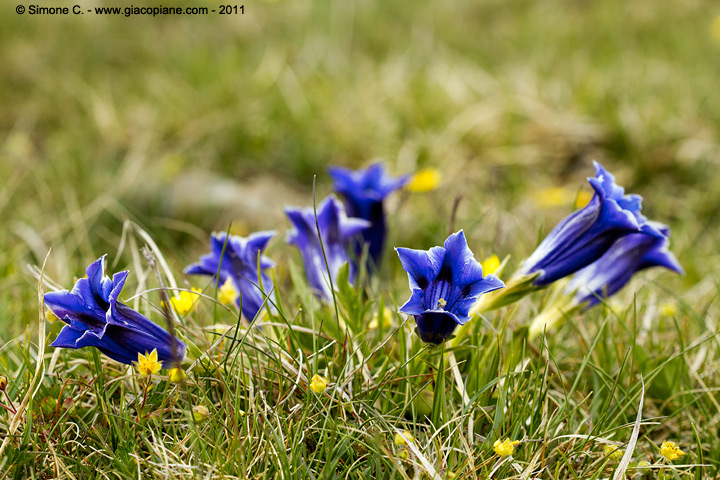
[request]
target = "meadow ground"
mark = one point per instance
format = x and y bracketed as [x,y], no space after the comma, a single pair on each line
[115,130]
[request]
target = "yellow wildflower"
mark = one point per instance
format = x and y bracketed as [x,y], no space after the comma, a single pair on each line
[612,451]
[560,196]
[490,264]
[148,364]
[671,451]
[177,375]
[318,384]
[553,197]
[403,454]
[668,309]
[3,383]
[583,198]
[184,302]
[425,180]
[227,293]
[200,413]
[403,438]
[505,448]
[715,28]
[386,319]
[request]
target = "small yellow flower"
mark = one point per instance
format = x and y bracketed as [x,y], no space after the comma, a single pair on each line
[184,302]
[386,319]
[490,264]
[148,364]
[227,293]
[505,448]
[318,384]
[583,198]
[177,375]
[613,451]
[671,451]
[668,309]
[561,196]
[553,197]
[200,413]
[403,438]
[403,454]
[3,383]
[715,28]
[425,180]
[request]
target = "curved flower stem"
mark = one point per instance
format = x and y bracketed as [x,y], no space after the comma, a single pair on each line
[142,405]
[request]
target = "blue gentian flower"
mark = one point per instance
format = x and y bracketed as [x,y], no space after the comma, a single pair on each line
[337,231]
[364,192]
[239,264]
[583,236]
[627,256]
[95,318]
[445,283]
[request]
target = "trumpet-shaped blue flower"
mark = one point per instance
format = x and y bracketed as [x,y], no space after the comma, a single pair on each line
[95,318]
[241,261]
[364,192]
[337,231]
[445,283]
[627,256]
[583,236]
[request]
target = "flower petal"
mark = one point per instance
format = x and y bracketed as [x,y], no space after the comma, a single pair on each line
[415,305]
[422,266]
[67,338]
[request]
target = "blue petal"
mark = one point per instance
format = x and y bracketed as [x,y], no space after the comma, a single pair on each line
[302,232]
[661,258]
[615,268]
[219,242]
[67,338]
[422,266]
[336,230]
[256,244]
[65,304]
[415,305]
[459,265]
[364,192]
[95,272]
[471,292]
[198,269]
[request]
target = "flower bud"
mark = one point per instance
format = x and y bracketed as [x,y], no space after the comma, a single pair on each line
[318,384]
[177,375]
[200,413]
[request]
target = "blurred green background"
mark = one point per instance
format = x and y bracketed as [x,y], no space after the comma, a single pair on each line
[185,124]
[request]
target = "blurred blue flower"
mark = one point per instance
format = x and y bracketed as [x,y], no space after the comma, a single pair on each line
[583,236]
[364,192]
[627,256]
[337,231]
[445,283]
[243,264]
[95,318]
